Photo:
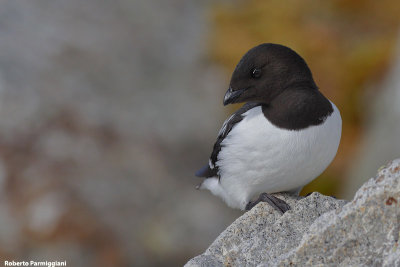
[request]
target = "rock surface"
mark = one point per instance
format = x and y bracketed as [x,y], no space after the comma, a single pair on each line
[319,230]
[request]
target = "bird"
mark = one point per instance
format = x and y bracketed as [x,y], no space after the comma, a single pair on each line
[283,137]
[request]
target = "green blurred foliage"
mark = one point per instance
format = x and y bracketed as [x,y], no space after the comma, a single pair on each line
[347,44]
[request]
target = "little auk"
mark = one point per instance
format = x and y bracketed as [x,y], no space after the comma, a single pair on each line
[284,136]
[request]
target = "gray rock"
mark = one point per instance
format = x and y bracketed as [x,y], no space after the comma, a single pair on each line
[203,261]
[319,230]
[262,234]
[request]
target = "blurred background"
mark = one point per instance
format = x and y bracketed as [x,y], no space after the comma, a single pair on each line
[108,107]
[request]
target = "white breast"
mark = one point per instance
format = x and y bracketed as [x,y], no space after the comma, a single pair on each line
[259,157]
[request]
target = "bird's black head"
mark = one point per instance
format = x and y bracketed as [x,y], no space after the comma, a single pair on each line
[264,72]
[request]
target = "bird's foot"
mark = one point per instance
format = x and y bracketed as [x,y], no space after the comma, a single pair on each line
[275,202]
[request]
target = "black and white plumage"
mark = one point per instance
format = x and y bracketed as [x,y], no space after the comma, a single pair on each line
[285,135]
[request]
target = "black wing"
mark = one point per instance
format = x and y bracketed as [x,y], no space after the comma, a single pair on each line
[211,169]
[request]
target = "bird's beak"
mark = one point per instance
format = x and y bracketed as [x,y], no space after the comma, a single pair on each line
[231,96]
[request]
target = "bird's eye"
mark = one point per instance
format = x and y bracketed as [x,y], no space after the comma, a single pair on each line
[256,73]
